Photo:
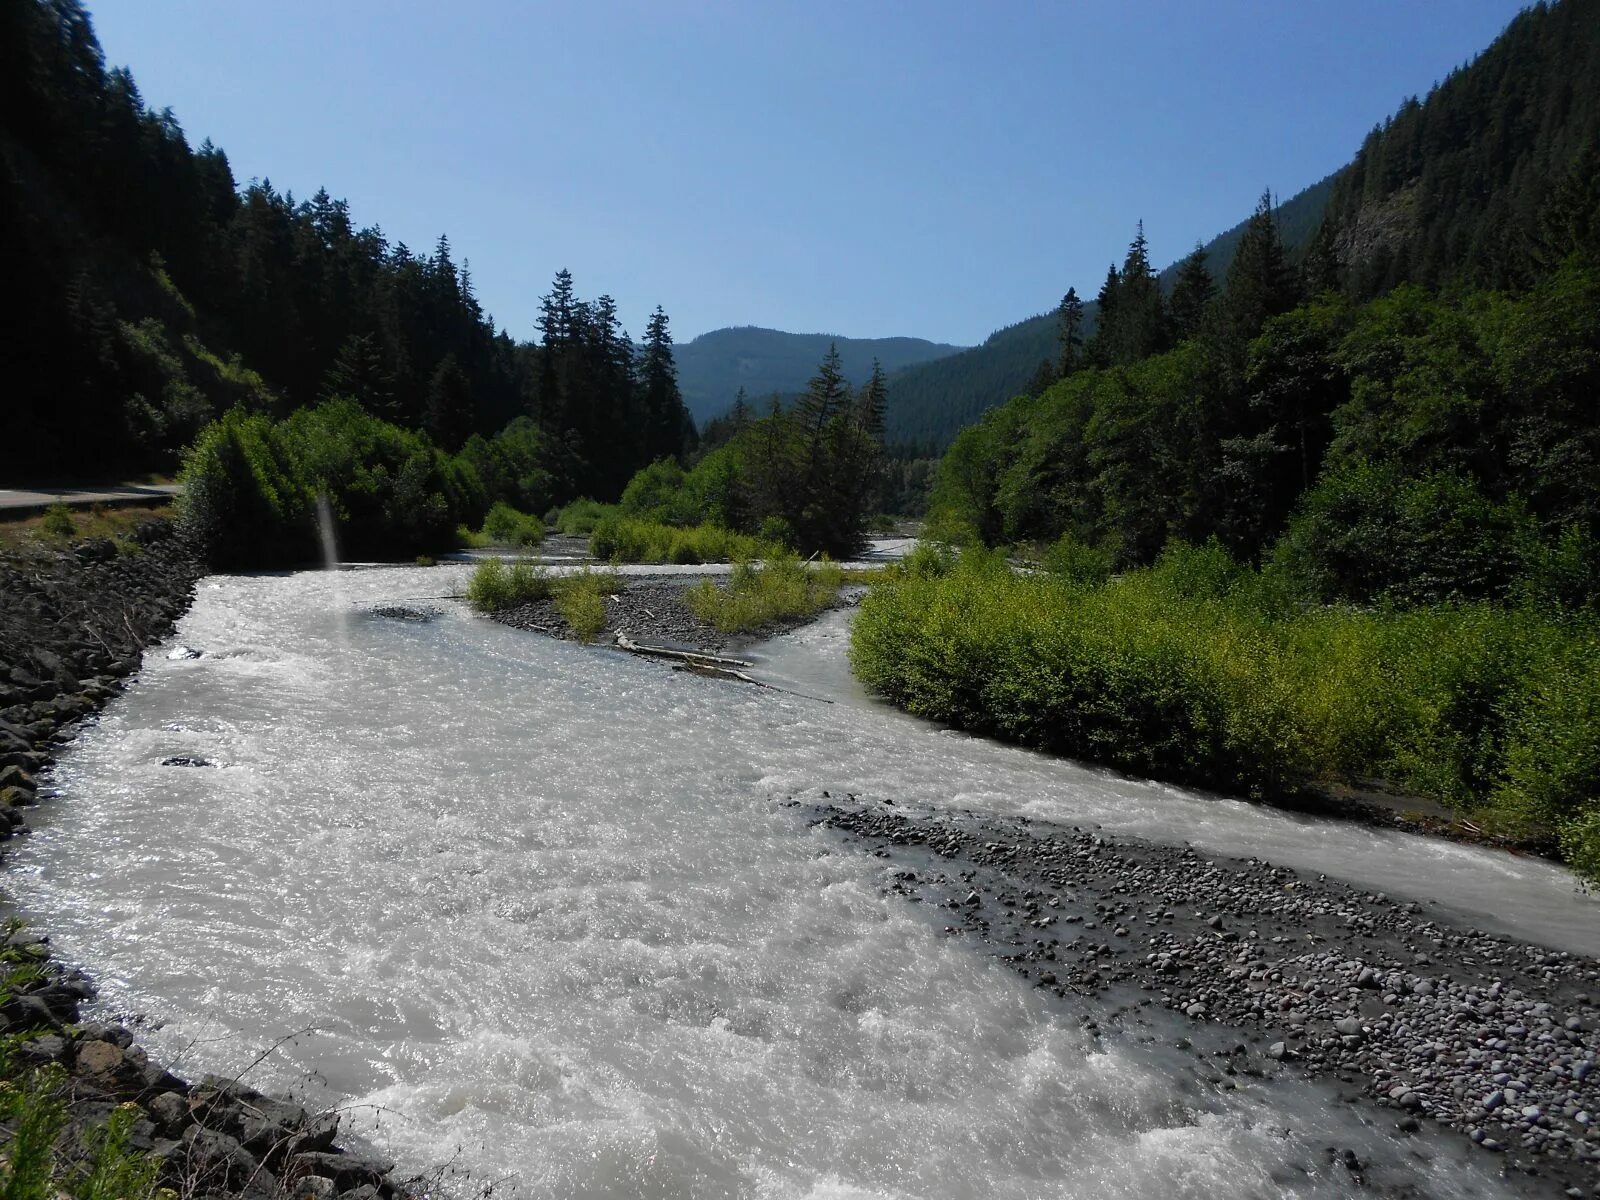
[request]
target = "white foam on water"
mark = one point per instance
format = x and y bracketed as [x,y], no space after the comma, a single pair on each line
[542,905]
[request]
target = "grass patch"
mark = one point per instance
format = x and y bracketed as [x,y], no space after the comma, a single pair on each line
[782,589]
[636,539]
[1193,671]
[60,524]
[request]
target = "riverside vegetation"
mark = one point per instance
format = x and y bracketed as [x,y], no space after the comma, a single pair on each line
[1333,517]
[1200,671]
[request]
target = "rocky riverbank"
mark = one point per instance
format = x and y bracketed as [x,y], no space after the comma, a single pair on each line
[1416,1014]
[74,624]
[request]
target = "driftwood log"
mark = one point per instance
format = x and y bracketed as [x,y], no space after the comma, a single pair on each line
[688,656]
[712,665]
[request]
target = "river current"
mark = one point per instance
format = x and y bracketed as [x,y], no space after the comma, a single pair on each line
[539,909]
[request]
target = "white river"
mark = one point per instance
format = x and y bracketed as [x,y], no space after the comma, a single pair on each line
[542,910]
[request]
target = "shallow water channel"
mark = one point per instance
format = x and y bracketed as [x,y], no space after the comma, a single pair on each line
[545,914]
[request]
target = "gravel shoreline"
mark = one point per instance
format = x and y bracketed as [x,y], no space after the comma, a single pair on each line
[650,609]
[1431,1022]
[74,624]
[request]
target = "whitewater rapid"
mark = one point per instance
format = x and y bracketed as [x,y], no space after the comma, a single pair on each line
[542,912]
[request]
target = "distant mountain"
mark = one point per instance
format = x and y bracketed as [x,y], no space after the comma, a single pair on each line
[714,366]
[931,402]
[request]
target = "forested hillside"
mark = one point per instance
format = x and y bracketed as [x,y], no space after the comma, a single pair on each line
[1403,430]
[1457,186]
[151,293]
[1453,188]
[929,404]
[714,367]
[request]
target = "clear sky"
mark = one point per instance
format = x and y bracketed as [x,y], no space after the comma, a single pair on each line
[936,169]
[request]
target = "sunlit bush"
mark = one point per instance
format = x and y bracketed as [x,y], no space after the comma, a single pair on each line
[1181,672]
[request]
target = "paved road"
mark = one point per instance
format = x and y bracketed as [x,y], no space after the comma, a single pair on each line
[79,497]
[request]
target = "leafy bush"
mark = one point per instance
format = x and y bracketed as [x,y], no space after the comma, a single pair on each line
[754,596]
[57,522]
[1181,672]
[1370,531]
[656,492]
[242,495]
[251,487]
[511,465]
[494,587]
[579,518]
[1078,563]
[580,599]
[583,610]
[509,527]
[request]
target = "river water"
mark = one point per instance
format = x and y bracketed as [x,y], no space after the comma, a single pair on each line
[544,914]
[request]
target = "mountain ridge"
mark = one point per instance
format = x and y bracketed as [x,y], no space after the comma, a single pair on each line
[715,365]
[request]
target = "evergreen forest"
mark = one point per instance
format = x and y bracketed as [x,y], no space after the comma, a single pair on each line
[161,294]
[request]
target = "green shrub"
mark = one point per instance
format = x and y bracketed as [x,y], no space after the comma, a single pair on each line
[655,492]
[579,518]
[1072,560]
[580,599]
[583,610]
[777,531]
[508,527]
[113,1170]
[494,587]
[1370,531]
[782,589]
[1180,672]
[251,488]
[57,522]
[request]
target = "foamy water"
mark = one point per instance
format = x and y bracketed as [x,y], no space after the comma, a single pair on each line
[544,907]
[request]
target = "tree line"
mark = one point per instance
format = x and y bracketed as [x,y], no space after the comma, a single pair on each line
[807,475]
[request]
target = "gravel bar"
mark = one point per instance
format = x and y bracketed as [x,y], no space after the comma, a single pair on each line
[1422,1016]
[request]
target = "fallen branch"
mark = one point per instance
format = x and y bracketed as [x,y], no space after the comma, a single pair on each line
[716,672]
[690,656]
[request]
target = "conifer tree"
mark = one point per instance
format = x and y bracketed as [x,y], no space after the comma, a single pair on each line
[1069,320]
[448,415]
[1261,283]
[664,413]
[870,405]
[1043,376]
[1192,292]
[1099,350]
[1319,270]
[358,373]
[1135,324]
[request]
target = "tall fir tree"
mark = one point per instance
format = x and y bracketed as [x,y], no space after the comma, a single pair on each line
[1069,333]
[665,416]
[358,373]
[1193,289]
[1261,283]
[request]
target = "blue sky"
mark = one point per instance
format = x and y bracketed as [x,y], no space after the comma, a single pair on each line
[936,169]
